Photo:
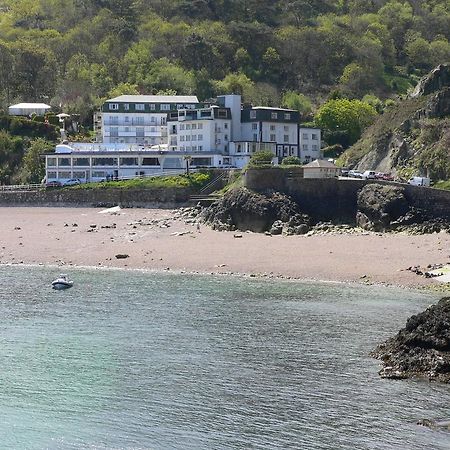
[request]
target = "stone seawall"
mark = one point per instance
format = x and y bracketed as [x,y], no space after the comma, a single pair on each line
[333,199]
[127,198]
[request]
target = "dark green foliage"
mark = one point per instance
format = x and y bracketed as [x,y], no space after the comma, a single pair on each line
[333,151]
[291,161]
[11,153]
[20,126]
[261,158]
[75,55]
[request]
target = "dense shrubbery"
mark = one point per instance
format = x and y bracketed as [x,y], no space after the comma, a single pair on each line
[271,51]
[291,161]
[20,126]
[261,158]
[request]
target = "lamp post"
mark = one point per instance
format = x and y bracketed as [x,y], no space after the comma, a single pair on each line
[188,160]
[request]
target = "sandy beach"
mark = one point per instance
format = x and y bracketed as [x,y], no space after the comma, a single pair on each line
[155,239]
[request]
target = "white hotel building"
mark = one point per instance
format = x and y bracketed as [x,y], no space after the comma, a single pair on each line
[145,134]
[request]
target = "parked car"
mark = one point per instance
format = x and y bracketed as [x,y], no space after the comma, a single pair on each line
[53,184]
[72,182]
[419,181]
[387,177]
[369,175]
[344,172]
[354,174]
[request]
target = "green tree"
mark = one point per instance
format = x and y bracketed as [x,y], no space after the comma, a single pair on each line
[11,153]
[261,158]
[33,163]
[297,101]
[291,161]
[346,116]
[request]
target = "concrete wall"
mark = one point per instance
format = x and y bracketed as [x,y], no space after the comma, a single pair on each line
[328,199]
[128,198]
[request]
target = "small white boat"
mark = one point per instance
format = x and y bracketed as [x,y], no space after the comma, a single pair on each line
[62,282]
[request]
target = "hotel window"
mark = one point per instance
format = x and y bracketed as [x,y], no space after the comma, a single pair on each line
[252,114]
[181,126]
[140,132]
[225,125]
[153,119]
[126,106]
[194,137]
[163,121]
[129,162]
[272,127]
[200,137]
[51,162]
[305,136]
[200,126]
[188,138]
[255,137]
[51,175]
[286,128]
[127,119]
[273,138]
[140,107]
[314,137]
[305,147]
[274,115]
[194,148]
[83,162]
[226,137]
[165,107]
[287,116]
[254,126]
[200,148]
[188,126]
[64,175]
[104,161]
[139,120]
[182,138]
[152,107]
[315,147]
[222,114]
[64,162]
[286,138]
[194,126]
[113,106]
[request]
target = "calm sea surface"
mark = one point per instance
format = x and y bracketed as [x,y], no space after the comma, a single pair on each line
[128,360]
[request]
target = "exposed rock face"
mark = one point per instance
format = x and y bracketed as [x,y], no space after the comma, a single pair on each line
[437,79]
[246,210]
[401,135]
[379,206]
[422,348]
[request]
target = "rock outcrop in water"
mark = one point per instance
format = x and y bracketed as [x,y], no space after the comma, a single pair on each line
[422,348]
[242,209]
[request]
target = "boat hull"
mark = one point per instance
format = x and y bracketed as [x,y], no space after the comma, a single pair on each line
[61,285]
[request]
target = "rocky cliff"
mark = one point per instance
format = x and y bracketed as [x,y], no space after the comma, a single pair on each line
[413,135]
[422,348]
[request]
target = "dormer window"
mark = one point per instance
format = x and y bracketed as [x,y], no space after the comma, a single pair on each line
[274,115]
[252,114]
[140,107]
[113,106]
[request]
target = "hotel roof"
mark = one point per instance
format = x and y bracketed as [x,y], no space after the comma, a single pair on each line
[154,99]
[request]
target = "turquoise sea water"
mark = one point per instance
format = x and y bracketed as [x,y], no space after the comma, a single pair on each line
[128,360]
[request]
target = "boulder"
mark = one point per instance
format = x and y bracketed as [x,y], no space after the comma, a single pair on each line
[422,348]
[244,210]
[379,205]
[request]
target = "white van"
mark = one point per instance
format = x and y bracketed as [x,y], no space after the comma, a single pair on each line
[419,181]
[368,175]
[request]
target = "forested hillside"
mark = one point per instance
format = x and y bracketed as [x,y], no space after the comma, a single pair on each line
[73,53]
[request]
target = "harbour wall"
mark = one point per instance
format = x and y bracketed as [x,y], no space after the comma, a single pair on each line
[336,199]
[126,198]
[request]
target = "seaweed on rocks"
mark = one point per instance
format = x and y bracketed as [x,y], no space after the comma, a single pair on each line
[421,349]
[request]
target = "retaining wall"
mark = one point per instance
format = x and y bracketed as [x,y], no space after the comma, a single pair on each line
[333,199]
[127,198]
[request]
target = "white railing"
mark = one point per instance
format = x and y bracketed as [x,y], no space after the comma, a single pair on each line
[21,187]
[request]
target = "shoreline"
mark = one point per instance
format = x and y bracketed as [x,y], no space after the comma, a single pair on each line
[160,241]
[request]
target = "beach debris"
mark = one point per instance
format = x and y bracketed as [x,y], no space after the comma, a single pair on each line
[74,224]
[237,235]
[180,233]
[17,228]
[93,225]
[113,210]
[122,256]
